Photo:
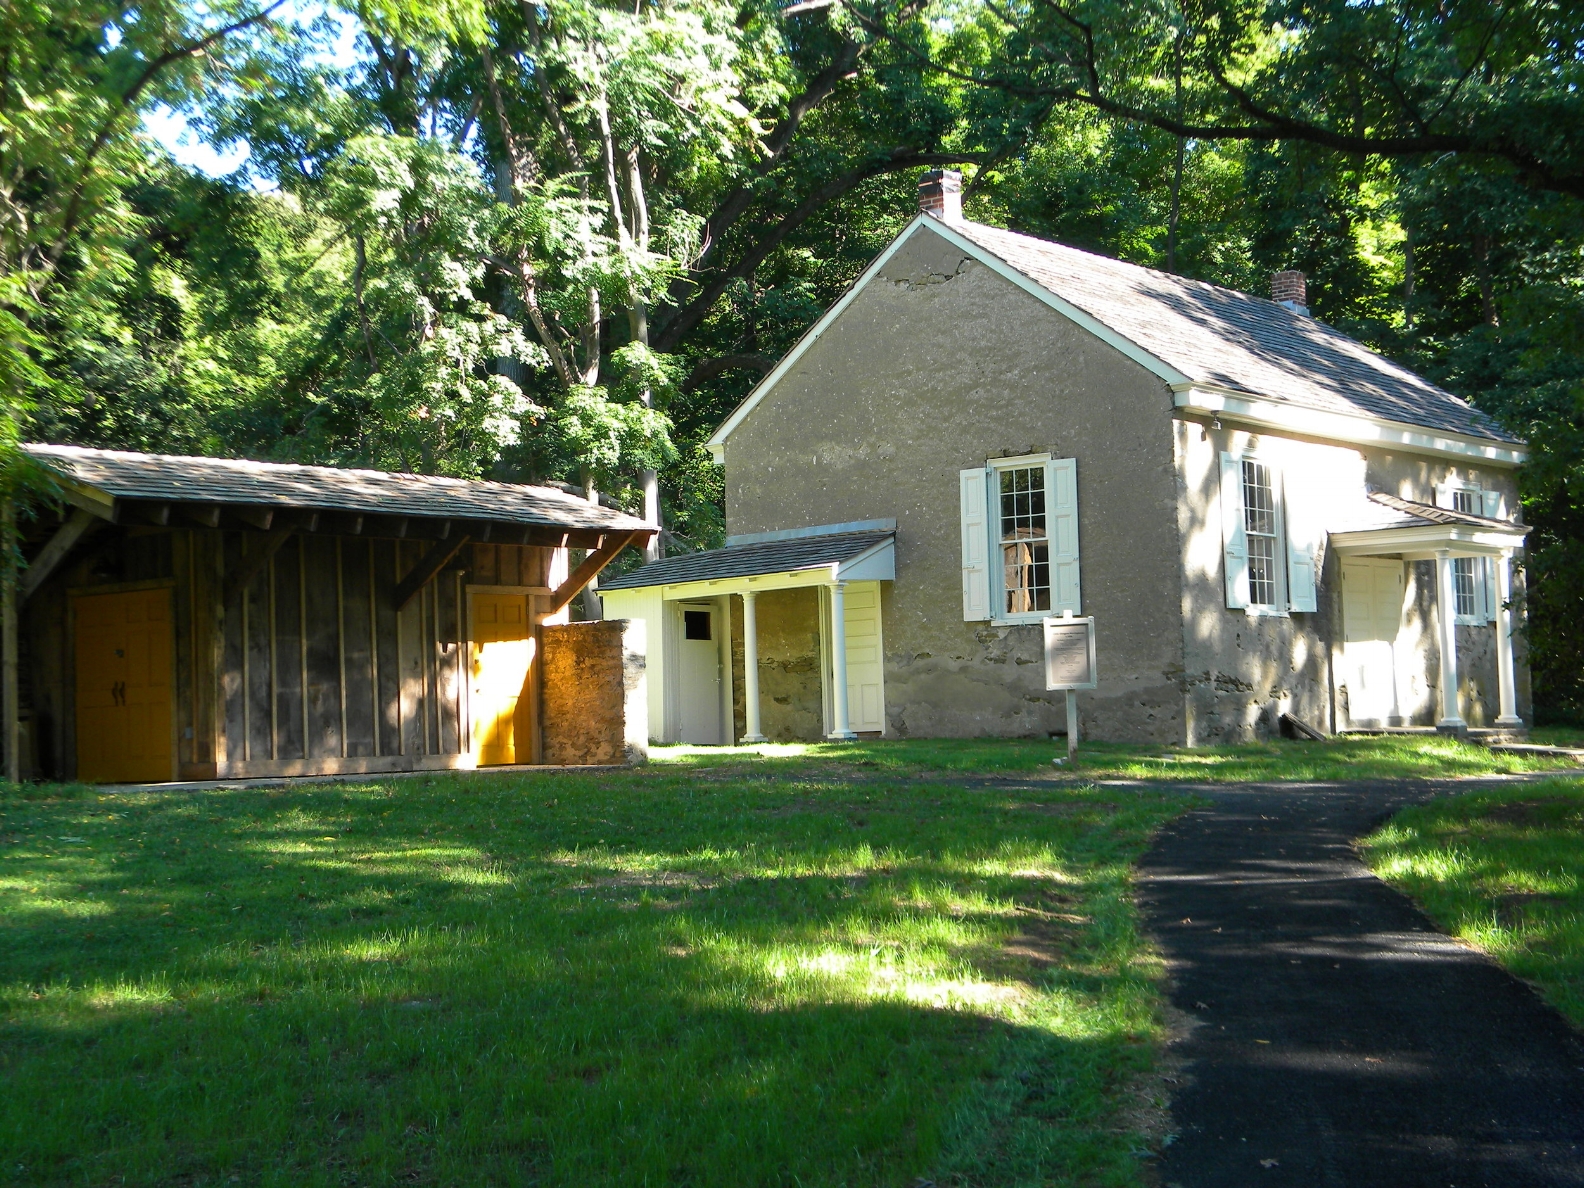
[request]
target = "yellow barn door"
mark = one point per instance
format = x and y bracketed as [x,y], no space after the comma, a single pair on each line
[503,650]
[125,700]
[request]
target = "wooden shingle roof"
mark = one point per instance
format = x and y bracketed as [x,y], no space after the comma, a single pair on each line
[111,477]
[1219,336]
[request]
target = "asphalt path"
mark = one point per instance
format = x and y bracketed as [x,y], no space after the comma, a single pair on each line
[1331,1035]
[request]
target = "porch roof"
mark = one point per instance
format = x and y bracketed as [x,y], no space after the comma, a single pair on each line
[813,559]
[1386,524]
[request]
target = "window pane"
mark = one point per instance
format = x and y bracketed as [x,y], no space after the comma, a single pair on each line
[1259,504]
[1262,570]
[1023,504]
[1463,501]
[1026,569]
[1463,584]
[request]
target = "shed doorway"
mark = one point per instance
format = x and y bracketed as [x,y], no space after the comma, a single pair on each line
[125,695]
[1372,609]
[699,674]
[503,653]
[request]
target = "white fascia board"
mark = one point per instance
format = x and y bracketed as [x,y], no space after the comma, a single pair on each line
[1417,543]
[1354,429]
[717,442]
[818,575]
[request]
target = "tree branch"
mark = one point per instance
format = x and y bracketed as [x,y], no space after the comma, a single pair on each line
[897,160]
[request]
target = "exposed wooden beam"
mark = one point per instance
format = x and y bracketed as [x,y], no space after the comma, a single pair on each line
[92,500]
[153,513]
[259,517]
[253,563]
[66,538]
[207,514]
[589,570]
[352,525]
[432,563]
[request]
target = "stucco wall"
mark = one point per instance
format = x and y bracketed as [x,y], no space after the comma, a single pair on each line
[790,707]
[1242,671]
[940,364]
[595,694]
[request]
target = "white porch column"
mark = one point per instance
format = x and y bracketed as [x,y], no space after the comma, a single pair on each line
[751,669]
[1446,607]
[839,726]
[1505,679]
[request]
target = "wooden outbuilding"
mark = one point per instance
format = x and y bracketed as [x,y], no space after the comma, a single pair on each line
[203,618]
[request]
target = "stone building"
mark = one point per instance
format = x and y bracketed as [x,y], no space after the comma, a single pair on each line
[1263,516]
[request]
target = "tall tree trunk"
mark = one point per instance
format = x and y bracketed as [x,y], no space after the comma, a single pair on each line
[10,711]
[1410,277]
[1177,167]
[1482,273]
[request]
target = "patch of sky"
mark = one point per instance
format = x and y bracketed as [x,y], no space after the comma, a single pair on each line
[332,36]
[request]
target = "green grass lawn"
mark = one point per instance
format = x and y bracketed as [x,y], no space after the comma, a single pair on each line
[1353,758]
[667,976]
[1503,870]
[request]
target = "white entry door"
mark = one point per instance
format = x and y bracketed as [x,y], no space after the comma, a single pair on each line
[1372,607]
[699,674]
[865,658]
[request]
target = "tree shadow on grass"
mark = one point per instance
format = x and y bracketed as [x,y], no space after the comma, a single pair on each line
[351,986]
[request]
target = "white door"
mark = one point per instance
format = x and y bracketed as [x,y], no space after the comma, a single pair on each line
[865,675]
[1372,607]
[699,674]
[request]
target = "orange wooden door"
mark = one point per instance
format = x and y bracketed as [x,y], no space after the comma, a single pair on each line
[503,652]
[125,696]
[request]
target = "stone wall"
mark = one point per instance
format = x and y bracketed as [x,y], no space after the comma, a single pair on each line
[937,365]
[596,700]
[790,704]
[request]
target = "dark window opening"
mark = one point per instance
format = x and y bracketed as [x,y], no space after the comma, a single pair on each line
[695,624]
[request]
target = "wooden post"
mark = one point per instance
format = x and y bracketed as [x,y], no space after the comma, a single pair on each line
[10,714]
[1072,724]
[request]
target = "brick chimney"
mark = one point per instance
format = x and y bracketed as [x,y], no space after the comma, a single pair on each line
[940,194]
[1289,289]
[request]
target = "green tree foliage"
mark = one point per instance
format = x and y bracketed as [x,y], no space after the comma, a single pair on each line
[560,241]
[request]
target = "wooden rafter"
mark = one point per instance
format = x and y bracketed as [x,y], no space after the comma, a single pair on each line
[253,563]
[589,570]
[432,563]
[66,537]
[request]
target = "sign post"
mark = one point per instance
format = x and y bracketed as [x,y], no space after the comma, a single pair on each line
[1070,665]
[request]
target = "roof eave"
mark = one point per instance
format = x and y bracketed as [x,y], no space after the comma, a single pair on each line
[1355,429]
[1418,543]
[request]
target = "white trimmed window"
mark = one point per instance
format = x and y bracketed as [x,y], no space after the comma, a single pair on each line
[1020,539]
[1473,578]
[1269,564]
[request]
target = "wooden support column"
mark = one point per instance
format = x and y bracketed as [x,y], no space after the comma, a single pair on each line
[1506,677]
[1446,608]
[751,732]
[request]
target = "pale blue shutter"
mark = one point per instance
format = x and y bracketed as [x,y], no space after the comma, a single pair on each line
[974,506]
[1233,536]
[1061,483]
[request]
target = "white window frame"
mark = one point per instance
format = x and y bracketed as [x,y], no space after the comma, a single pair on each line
[1484,577]
[998,590]
[1282,606]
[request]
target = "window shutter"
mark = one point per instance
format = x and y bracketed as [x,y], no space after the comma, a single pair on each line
[1302,502]
[1491,508]
[975,506]
[1234,540]
[1062,523]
